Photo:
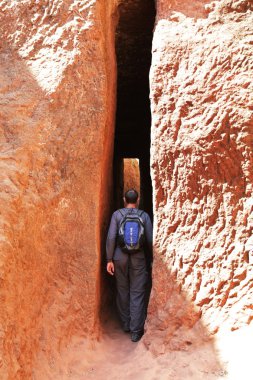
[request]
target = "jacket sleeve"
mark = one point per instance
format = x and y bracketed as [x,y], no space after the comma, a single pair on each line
[111,237]
[149,235]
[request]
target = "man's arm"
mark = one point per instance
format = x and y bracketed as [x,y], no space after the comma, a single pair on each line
[149,235]
[111,242]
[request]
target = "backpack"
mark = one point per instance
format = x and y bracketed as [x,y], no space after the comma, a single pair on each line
[131,234]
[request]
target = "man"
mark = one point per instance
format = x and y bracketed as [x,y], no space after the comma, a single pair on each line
[130,269]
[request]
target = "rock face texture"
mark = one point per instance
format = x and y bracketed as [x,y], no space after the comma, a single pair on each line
[131,174]
[57,74]
[202,138]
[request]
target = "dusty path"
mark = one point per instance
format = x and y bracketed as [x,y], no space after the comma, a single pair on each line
[115,357]
[122,359]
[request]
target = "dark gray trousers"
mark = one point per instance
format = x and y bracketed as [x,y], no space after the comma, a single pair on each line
[131,281]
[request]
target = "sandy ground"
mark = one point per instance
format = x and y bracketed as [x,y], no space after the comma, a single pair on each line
[227,357]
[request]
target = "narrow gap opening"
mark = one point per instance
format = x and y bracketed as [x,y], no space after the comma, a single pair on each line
[131,164]
[133,117]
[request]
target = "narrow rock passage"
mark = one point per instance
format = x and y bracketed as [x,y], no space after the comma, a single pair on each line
[133,44]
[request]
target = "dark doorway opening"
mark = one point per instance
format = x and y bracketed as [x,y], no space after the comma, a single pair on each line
[134,35]
[133,118]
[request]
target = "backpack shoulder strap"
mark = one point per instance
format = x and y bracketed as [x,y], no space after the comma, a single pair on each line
[121,213]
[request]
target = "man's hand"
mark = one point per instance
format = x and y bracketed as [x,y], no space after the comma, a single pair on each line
[110,268]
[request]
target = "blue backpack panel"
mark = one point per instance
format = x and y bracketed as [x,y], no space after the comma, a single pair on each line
[131,235]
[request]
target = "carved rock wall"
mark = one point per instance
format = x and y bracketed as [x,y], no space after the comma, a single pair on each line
[202,159]
[57,74]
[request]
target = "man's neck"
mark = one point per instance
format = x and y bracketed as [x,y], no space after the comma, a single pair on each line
[131,205]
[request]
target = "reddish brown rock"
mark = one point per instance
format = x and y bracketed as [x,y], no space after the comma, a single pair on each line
[202,159]
[57,110]
[131,174]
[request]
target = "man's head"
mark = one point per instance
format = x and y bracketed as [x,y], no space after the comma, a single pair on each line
[131,196]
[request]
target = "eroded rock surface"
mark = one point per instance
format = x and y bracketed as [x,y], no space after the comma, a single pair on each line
[57,111]
[202,138]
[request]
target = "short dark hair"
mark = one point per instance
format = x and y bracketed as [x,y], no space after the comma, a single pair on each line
[131,196]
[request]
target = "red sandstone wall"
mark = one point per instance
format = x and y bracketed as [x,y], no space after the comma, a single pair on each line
[131,174]
[202,160]
[57,74]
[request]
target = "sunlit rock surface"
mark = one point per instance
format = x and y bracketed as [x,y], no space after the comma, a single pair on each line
[202,138]
[57,74]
